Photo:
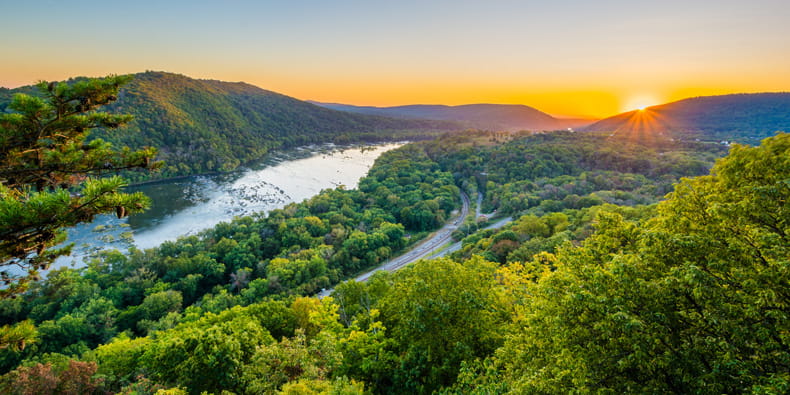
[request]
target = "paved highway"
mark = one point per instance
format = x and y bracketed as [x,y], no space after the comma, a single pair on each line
[457,245]
[421,250]
[428,247]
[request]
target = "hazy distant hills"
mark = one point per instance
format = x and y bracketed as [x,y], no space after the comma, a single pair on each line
[511,117]
[740,117]
[204,125]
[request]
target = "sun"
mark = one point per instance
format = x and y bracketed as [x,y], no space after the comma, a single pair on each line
[639,103]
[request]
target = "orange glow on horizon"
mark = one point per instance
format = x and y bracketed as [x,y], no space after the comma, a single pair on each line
[595,63]
[561,103]
[370,90]
[639,102]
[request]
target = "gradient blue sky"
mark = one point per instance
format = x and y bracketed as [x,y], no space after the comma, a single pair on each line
[574,58]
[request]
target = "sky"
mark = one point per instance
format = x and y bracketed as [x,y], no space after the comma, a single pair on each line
[571,58]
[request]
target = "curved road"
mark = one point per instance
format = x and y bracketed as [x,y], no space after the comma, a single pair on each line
[421,250]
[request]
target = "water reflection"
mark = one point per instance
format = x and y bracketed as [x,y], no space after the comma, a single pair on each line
[187,206]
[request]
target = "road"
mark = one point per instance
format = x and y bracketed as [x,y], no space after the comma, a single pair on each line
[421,250]
[457,245]
[479,205]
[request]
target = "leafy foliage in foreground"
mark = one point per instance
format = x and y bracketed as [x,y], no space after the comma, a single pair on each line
[293,251]
[686,296]
[693,300]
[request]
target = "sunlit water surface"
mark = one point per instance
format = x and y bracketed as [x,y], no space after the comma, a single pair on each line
[186,206]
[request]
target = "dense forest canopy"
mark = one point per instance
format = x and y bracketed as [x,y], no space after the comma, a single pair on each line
[204,126]
[745,118]
[597,284]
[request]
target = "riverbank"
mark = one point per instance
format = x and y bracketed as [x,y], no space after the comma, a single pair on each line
[186,205]
[275,151]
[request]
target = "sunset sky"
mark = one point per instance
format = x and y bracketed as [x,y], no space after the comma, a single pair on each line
[568,58]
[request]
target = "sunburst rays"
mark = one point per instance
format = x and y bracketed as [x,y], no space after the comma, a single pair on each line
[645,126]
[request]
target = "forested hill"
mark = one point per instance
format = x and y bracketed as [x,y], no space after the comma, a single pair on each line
[591,288]
[511,117]
[5,96]
[741,117]
[203,125]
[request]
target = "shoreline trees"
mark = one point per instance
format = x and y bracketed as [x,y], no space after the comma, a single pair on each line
[50,175]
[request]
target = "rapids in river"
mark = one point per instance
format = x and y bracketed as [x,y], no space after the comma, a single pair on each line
[186,206]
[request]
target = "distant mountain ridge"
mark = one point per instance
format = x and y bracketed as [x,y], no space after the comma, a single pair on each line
[510,117]
[747,117]
[206,125]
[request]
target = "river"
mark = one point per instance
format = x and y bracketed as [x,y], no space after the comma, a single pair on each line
[186,206]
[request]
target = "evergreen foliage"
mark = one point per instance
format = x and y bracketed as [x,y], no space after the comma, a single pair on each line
[50,172]
[684,296]
[202,126]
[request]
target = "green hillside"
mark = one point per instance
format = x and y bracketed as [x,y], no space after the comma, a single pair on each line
[742,117]
[511,117]
[204,126]
[627,265]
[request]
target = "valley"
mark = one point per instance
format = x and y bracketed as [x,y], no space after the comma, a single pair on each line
[184,207]
[387,198]
[374,266]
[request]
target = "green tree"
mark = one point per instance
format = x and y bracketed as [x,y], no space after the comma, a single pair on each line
[119,359]
[340,386]
[369,354]
[16,337]
[693,301]
[292,359]
[441,313]
[207,355]
[49,172]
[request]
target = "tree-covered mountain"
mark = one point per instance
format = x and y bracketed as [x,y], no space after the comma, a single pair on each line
[741,117]
[204,125]
[512,117]
[594,287]
[5,97]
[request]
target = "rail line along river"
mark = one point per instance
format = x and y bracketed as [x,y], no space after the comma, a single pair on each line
[186,206]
